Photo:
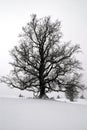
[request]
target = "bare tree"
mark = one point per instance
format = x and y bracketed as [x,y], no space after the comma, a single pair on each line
[42,62]
[73,86]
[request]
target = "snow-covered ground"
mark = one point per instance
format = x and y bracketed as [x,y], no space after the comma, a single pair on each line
[35,114]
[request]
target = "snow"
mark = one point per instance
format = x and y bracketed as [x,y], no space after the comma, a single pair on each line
[35,114]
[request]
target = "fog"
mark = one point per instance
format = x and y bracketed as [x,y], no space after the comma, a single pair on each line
[16,13]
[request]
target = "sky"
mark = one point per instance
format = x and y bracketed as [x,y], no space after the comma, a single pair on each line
[16,13]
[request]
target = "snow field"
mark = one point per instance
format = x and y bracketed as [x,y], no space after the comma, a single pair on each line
[35,114]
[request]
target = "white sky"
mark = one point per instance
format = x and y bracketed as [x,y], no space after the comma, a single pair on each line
[16,13]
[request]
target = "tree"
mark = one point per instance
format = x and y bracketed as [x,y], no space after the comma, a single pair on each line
[72,86]
[42,62]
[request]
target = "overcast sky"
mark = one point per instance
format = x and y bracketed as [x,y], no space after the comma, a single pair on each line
[16,13]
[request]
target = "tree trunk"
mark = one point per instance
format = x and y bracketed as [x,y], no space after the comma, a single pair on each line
[42,91]
[41,71]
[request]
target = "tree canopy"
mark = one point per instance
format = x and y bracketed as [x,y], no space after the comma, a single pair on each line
[42,62]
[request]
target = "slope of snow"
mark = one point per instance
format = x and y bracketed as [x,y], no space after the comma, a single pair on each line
[31,114]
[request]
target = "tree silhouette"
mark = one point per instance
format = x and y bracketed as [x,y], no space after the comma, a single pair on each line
[42,62]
